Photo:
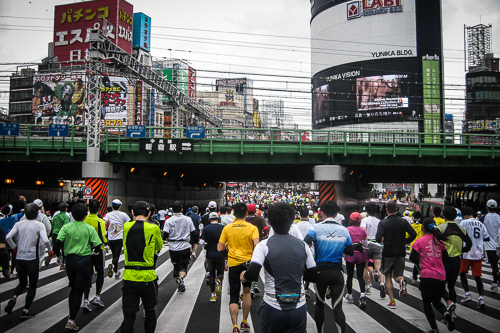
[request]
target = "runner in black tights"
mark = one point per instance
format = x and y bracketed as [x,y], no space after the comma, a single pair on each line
[330,240]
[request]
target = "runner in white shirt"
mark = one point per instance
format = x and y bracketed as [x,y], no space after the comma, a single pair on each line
[115,220]
[29,233]
[304,225]
[492,224]
[41,217]
[162,216]
[312,220]
[294,231]
[474,258]
[374,251]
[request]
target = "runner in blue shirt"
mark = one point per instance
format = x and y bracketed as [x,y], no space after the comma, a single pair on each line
[330,240]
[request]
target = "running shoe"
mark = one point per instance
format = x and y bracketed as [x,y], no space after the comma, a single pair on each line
[450,324]
[10,305]
[414,281]
[236,329]
[307,294]
[47,260]
[118,275]
[368,289]
[362,302]
[59,261]
[494,288]
[97,302]
[466,298]
[110,271]
[252,294]
[62,267]
[376,276]
[193,256]
[328,294]
[218,287]
[180,284]
[86,307]
[213,298]
[349,299]
[450,306]
[207,278]
[480,303]
[402,289]
[382,290]
[433,331]
[27,315]
[71,326]
[256,289]
[244,327]
[454,315]
[392,305]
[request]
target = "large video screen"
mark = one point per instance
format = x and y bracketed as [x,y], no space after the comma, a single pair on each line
[367,92]
[380,92]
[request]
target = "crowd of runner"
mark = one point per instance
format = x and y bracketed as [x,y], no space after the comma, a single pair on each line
[296,243]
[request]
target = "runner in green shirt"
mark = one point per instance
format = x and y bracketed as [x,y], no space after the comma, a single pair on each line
[58,222]
[78,240]
[98,259]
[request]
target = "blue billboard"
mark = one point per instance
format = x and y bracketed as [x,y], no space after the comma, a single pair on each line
[141,37]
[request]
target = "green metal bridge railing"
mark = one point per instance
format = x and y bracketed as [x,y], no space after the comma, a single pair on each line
[34,138]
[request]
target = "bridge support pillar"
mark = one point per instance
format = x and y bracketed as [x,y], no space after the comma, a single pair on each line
[327,176]
[96,176]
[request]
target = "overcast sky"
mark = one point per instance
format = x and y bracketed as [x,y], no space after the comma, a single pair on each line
[267,41]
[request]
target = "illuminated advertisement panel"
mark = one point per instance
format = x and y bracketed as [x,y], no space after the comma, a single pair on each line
[361,95]
[59,98]
[73,22]
[115,101]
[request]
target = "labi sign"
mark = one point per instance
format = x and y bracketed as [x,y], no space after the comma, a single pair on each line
[356,9]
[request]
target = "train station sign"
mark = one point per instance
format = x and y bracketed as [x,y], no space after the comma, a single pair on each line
[166,145]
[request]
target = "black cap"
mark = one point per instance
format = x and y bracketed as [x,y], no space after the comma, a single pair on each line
[141,205]
[63,206]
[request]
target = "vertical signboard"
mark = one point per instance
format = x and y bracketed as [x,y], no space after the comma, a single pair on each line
[192,82]
[115,102]
[138,102]
[152,111]
[142,32]
[432,98]
[73,22]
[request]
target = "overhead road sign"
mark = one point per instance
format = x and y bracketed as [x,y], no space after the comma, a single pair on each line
[59,130]
[195,132]
[136,131]
[9,129]
[166,145]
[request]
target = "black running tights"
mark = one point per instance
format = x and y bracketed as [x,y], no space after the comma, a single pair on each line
[149,322]
[350,274]
[431,290]
[213,266]
[334,279]
[75,300]
[27,269]
[465,284]
[116,249]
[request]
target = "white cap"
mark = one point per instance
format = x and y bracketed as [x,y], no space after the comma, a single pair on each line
[407,213]
[491,203]
[213,216]
[39,203]
[116,202]
[212,204]
[311,212]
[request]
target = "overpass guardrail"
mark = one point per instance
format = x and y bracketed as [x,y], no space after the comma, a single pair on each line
[34,139]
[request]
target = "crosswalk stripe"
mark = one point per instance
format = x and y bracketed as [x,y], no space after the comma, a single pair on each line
[177,314]
[178,310]
[109,318]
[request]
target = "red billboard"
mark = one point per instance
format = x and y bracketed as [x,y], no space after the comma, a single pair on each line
[73,22]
